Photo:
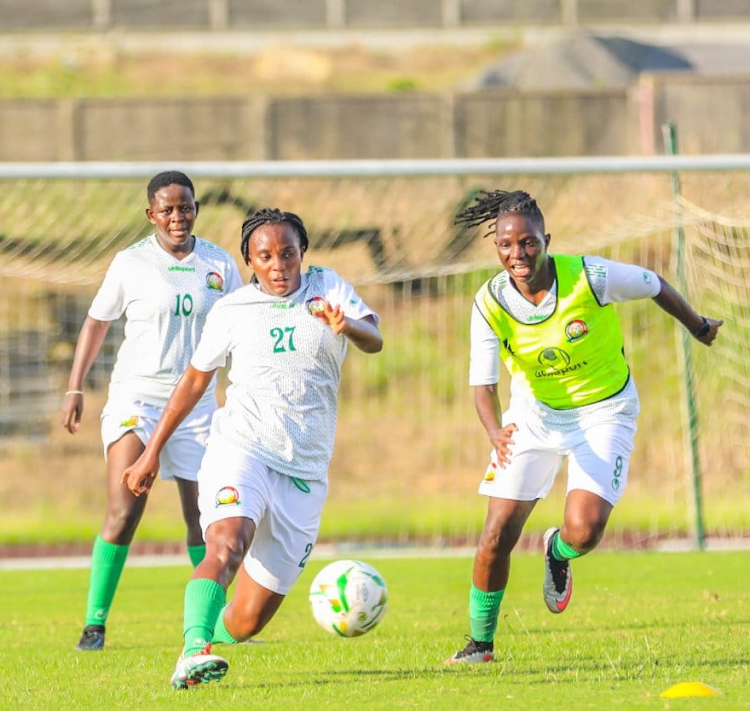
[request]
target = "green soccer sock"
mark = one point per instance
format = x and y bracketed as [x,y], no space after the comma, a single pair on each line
[197,554]
[107,562]
[561,551]
[204,600]
[484,608]
[221,633]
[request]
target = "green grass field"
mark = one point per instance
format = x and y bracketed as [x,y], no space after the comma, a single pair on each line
[638,623]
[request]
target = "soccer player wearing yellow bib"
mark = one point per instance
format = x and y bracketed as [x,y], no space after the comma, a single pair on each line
[264,479]
[551,320]
[164,285]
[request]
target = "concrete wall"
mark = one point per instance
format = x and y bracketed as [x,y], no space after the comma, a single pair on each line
[166,15]
[711,115]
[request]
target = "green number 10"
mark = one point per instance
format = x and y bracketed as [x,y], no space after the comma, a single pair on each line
[183,305]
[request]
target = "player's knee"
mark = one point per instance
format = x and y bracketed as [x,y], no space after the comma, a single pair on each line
[499,537]
[584,536]
[120,524]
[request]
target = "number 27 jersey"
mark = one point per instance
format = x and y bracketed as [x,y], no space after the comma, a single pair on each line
[285,370]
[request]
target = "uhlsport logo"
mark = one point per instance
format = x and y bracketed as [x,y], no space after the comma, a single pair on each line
[554,358]
[227,496]
[215,281]
[316,305]
[132,421]
[576,330]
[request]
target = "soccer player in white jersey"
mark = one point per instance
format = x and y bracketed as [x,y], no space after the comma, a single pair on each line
[550,319]
[263,480]
[164,285]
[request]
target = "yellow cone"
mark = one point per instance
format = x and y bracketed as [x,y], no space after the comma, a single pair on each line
[689,688]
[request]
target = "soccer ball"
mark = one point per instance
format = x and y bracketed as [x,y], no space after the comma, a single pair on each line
[348,598]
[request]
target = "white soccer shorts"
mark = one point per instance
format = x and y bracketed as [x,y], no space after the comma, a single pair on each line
[598,461]
[286,511]
[184,450]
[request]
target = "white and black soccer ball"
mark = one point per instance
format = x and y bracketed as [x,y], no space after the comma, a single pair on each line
[348,598]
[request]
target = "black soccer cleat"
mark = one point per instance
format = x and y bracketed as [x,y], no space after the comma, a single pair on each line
[92,639]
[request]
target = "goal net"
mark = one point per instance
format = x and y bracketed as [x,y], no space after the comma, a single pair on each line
[410,450]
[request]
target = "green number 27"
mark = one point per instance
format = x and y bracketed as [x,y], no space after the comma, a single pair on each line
[283,339]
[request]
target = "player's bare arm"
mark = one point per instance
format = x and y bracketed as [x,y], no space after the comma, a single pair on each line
[677,306]
[88,346]
[363,333]
[140,477]
[488,409]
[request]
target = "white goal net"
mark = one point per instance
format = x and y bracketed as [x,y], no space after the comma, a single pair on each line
[410,450]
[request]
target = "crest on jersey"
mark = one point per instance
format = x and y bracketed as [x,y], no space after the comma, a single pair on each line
[215,281]
[316,305]
[576,330]
[132,421]
[227,496]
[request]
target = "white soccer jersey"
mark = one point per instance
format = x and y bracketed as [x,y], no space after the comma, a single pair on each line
[285,370]
[165,301]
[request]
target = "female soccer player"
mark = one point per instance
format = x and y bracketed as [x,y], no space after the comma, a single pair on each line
[263,480]
[165,285]
[550,319]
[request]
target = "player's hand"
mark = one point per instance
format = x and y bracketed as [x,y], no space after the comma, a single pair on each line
[501,441]
[333,316]
[713,331]
[140,476]
[72,409]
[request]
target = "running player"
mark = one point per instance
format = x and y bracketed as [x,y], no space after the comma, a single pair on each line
[550,319]
[164,285]
[263,480]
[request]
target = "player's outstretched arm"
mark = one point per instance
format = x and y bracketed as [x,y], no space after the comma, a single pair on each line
[362,332]
[703,328]
[89,344]
[141,475]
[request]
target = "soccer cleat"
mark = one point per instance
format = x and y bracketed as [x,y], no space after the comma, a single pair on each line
[92,639]
[199,668]
[474,652]
[558,577]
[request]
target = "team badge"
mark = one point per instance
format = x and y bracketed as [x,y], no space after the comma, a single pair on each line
[489,475]
[132,421]
[316,305]
[215,281]
[576,330]
[227,496]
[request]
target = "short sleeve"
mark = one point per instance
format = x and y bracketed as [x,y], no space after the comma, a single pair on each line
[215,341]
[341,293]
[625,282]
[484,361]
[110,301]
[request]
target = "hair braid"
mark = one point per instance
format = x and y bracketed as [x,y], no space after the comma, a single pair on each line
[494,204]
[270,216]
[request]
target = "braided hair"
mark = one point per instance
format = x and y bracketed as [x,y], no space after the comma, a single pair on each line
[164,180]
[497,203]
[269,216]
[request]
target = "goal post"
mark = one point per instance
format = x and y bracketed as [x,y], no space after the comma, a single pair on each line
[410,450]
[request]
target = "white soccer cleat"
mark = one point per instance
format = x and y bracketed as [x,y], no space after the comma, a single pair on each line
[558,578]
[473,653]
[199,668]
